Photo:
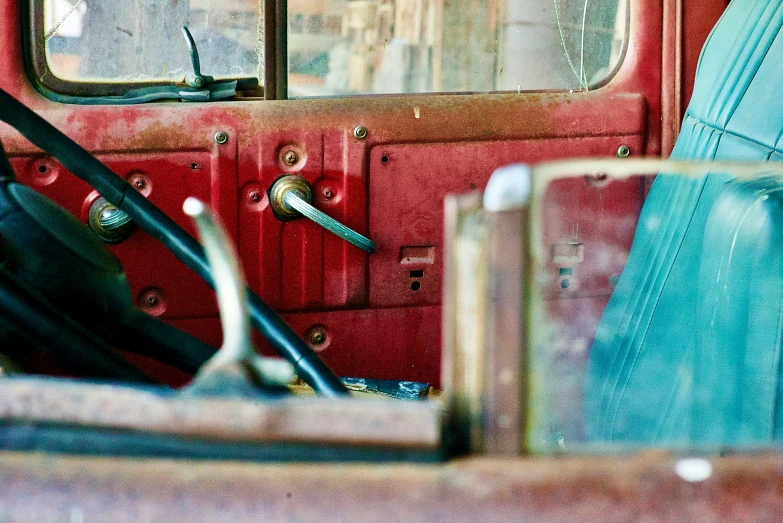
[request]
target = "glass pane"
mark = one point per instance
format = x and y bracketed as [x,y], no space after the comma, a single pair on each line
[655,306]
[339,47]
[112,41]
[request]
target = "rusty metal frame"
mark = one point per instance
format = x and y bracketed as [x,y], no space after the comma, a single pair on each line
[66,409]
[647,487]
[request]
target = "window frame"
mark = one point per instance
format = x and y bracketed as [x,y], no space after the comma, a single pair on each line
[275,81]
[106,93]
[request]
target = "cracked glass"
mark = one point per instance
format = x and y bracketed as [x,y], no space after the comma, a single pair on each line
[342,47]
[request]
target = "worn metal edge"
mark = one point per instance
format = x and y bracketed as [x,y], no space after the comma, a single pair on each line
[343,421]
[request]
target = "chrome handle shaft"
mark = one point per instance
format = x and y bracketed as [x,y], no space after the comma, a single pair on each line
[295,201]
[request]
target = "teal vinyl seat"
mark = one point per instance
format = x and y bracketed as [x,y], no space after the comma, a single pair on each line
[689,347]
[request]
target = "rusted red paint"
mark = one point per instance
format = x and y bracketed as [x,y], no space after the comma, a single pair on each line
[407,346]
[644,488]
[298,268]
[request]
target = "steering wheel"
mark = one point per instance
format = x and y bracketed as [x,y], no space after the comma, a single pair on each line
[42,242]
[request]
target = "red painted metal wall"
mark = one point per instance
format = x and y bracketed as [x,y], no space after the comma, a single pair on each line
[389,186]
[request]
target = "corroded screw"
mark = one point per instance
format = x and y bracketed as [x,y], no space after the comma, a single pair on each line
[316,336]
[327,193]
[221,137]
[254,196]
[290,157]
[360,132]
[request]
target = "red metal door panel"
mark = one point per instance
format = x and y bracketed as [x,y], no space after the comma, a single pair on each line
[376,325]
[297,265]
[407,184]
[167,179]
[395,343]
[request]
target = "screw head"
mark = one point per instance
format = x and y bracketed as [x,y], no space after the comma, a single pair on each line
[316,335]
[221,137]
[360,132]
[623,151]
[139,183]
[290,157]
[327,193]
[152,301]
[254,196]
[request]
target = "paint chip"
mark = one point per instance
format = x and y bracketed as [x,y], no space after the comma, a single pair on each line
[416,111]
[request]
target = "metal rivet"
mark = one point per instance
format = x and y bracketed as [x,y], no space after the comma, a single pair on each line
[221,137]
[623,152]
[360,132]
[290,157]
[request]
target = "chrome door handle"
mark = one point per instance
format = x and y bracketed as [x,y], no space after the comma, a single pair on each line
[291,196]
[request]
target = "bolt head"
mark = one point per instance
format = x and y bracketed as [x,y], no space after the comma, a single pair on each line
[623,151]
[221,137]
[360,132]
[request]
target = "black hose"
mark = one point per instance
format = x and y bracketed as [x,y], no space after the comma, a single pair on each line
[70,344]
[155,222]
[6,172]
[143,334]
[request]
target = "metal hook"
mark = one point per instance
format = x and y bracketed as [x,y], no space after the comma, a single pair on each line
[195,79]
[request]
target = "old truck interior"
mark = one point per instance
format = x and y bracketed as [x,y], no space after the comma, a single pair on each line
[481,260]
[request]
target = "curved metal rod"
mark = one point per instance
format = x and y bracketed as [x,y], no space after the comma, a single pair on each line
[295,201]
[236,368]
[155,222]
[195,79]
[193,50]
[229,284]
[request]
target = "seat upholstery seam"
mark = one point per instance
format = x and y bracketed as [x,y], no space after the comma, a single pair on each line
[734,134]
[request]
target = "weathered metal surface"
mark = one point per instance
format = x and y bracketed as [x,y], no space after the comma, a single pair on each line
[350,421]
[298,268]
[643,488]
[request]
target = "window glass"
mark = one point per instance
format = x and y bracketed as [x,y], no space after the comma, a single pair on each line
[655,306]
[122,41]
[339,47]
